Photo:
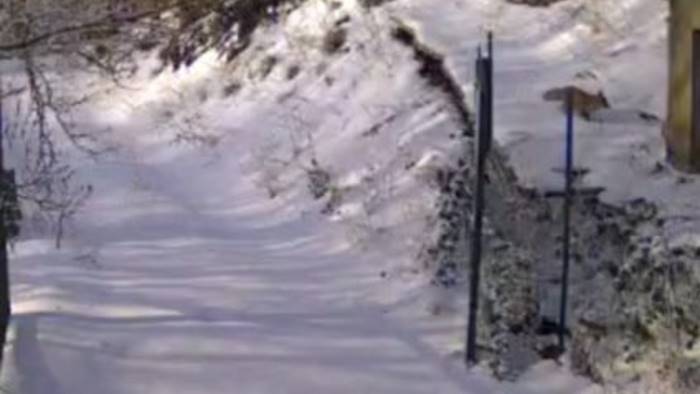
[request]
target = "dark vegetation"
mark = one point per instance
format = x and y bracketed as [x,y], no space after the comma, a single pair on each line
[433,70]
[224,26]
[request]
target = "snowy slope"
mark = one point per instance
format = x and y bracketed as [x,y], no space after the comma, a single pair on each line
[617,46]
[182,275]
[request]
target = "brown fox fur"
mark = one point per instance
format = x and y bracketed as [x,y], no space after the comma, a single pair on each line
[584,103]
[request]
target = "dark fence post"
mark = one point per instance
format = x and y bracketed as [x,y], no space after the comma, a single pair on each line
[569,157]
[4,266]
[484,71]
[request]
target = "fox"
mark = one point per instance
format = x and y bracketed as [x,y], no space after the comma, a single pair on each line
[584,103]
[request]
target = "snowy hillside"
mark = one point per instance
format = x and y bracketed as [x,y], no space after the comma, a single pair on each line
[617,47]
[261,226]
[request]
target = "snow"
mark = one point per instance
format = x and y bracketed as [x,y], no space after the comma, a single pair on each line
[613,45]
[182,275]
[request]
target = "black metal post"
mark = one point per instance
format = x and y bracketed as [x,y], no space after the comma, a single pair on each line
[483,143]
[487,136]
[5,310]
[567,217]
[489,45]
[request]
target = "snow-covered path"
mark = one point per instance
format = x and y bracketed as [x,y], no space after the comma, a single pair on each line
[168,297]
[239,294]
